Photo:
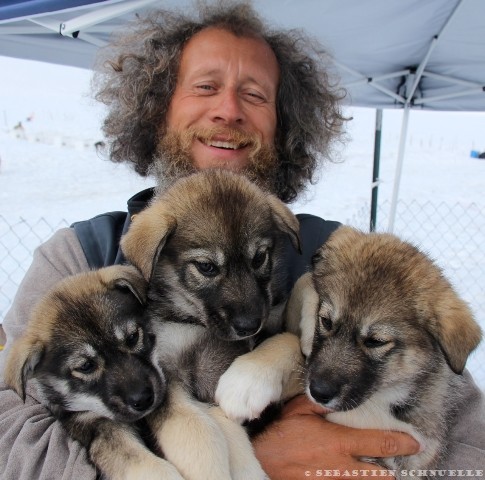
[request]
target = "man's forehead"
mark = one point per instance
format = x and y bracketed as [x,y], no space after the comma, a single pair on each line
[209,51]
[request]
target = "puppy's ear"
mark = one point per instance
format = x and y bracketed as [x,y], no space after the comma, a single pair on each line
[456,331]
[301,312]
[126,276]
[286,221]
[147,236]
[21,363]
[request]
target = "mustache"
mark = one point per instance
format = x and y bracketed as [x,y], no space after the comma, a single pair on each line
[173,159]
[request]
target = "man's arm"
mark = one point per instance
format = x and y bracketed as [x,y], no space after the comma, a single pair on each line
[467,437]
[33,443]
[302,444]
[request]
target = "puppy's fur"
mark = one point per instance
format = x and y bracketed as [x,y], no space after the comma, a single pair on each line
[94,357]
[211,248]
[89,353]
[386,339]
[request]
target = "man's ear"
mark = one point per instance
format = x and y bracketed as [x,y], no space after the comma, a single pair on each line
[126,276]
[147,236]
[22,360]
[286,220]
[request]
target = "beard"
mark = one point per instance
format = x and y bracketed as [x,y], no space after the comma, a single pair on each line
[173,157]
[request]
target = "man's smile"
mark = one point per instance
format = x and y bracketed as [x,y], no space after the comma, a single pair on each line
[227,144]
[221,144]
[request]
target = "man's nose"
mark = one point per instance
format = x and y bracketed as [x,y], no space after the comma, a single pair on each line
[228,108]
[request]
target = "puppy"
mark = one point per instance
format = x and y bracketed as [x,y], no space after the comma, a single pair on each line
[386,339]
[89,352]
[211,248]
[93,354]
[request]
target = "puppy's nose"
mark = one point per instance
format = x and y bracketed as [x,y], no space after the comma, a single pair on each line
[246,327]
[140,400]
[323,392]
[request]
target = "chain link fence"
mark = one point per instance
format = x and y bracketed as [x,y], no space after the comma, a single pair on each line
[18,240]
[452,234]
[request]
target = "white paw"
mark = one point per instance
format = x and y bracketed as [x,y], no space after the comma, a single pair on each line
[247,388]
[153,468]
[249,472]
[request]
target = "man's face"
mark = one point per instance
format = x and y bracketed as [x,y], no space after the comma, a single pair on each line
[223,110]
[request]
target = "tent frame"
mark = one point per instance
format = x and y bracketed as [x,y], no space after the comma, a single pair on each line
[408,98]
[84,22]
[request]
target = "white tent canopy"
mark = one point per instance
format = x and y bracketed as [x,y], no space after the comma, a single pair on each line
[406,54]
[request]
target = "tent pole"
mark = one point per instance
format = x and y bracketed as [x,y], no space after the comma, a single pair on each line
[100,14]
[375,170]
[397,176]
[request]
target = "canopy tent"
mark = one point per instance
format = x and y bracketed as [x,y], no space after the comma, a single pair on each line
[411,54]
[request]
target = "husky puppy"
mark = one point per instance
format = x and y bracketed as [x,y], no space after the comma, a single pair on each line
[93,355]
[386,339]
[211,248]
[88,351]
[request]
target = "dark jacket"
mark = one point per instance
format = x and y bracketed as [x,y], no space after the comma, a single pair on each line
[100,237]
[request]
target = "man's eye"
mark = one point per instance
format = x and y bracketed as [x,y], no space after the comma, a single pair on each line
[208,269]
[205,88]
[255,97]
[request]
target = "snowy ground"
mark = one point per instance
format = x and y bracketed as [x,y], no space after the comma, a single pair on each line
[50,168]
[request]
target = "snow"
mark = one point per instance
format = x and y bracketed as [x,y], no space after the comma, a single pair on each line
[51,169]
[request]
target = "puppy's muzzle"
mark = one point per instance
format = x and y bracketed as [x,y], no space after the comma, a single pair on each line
[141,399]
[246,326]
[134,388]
[324,392]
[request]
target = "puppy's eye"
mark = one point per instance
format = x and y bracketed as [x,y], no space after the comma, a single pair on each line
[89,366]
[259,259]
[208,269]
[326,322]
[132,339]
[372,342]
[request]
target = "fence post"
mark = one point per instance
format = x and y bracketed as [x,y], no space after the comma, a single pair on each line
[375,170]
[400,160]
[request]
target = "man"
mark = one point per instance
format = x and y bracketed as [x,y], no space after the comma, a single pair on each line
[184,94]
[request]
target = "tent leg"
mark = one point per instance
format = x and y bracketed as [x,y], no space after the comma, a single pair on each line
[397,176]
[375,170]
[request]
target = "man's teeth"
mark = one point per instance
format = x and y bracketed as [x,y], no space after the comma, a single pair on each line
[218,144]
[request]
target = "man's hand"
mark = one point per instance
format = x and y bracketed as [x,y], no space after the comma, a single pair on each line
[302,445]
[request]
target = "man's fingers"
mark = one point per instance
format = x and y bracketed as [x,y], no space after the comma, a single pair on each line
[356,443]
[302,405]
[378,443]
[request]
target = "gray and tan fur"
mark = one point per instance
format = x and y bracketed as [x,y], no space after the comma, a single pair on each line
[88,351]
[211,248]
[93,355]
[209,251]
[386,339]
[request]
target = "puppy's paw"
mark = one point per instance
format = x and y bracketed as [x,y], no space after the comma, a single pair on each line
[252,471]
[247,388]
[243,464]
[153,468]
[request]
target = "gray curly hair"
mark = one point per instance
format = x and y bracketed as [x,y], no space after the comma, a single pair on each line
[138,77]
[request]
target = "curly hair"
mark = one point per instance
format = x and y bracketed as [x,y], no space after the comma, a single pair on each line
[137,80]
